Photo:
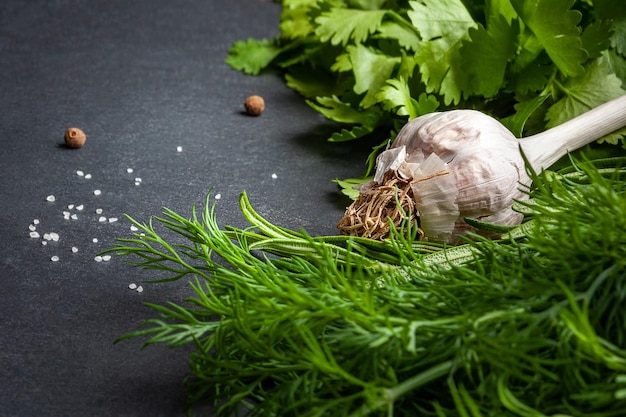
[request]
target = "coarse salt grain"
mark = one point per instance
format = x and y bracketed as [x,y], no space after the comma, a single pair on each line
[35,221]
[44,242]
[102,219]
[112,219]
[32,227]
[70,206]
[34,235]
[94,240]
[54,258]
[98,258]
[80,208]
[98,211]
[66,215]
[80,173]
[274,176]
[218,196]
[140,289]
[54,236]
[88,176]
[97,192]
[133,228]
[51,198]
[74,249]
[179,149]
[132,286]
[74,216]
[130,170]
[106,258]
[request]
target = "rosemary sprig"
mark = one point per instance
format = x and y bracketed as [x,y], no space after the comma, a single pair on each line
[530,325]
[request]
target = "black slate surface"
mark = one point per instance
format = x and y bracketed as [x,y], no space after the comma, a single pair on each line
[141,78]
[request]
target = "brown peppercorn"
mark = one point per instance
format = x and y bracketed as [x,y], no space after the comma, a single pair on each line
[74,137]
[254,105]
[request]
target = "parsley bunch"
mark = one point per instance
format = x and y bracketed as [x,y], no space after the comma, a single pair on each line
[285,324]
[374,64]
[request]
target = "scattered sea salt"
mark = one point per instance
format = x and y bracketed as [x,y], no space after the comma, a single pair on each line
[80,208]
[129,170]
[97,192]
[54,258]
[44,242]
[218,196]
[74,249]
[179,149]
[112,219]
[98,211]
[70,206]
[102,219]
[74,216]
[51,236]
[88,176]
[133,228]
[32,227]
[35,221]
[34,235]
[66,215]
[98,258]
[51,198]
[94,240]
[140,289]
[80,173]
[132,286]
[106,258]
[274,176]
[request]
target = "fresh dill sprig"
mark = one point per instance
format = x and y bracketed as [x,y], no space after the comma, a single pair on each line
[288,324]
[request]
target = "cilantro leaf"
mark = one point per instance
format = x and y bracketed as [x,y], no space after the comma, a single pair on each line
[340,26]
[335,109]
[516,122]
[556,26]
[253,55]
[614,11]
[295,22]
[350,134]
[597,37]
[407,38]
[486,54]
[443,25]
[596,86]
[396,97]
[371,70]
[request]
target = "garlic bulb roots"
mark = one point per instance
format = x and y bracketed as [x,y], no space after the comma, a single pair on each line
[447,166]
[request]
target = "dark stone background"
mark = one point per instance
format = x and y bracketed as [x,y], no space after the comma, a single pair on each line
[140,77]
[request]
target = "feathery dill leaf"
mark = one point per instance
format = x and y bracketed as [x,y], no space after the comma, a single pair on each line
[532,324]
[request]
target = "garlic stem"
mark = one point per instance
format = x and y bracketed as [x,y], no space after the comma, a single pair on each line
[545,148]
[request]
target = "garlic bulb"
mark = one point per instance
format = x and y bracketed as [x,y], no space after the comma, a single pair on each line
[443,167]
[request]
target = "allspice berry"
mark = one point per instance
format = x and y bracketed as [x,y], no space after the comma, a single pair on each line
[254,105]
[74,137]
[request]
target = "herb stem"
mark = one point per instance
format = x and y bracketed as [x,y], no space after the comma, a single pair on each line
[392,394]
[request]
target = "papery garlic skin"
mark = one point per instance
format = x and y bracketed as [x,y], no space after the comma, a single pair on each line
[481,173]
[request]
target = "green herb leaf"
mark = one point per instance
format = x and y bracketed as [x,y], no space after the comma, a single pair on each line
[596,86]
[340,26]
[556,26]
[443,25]
[253,55]
[371,70]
